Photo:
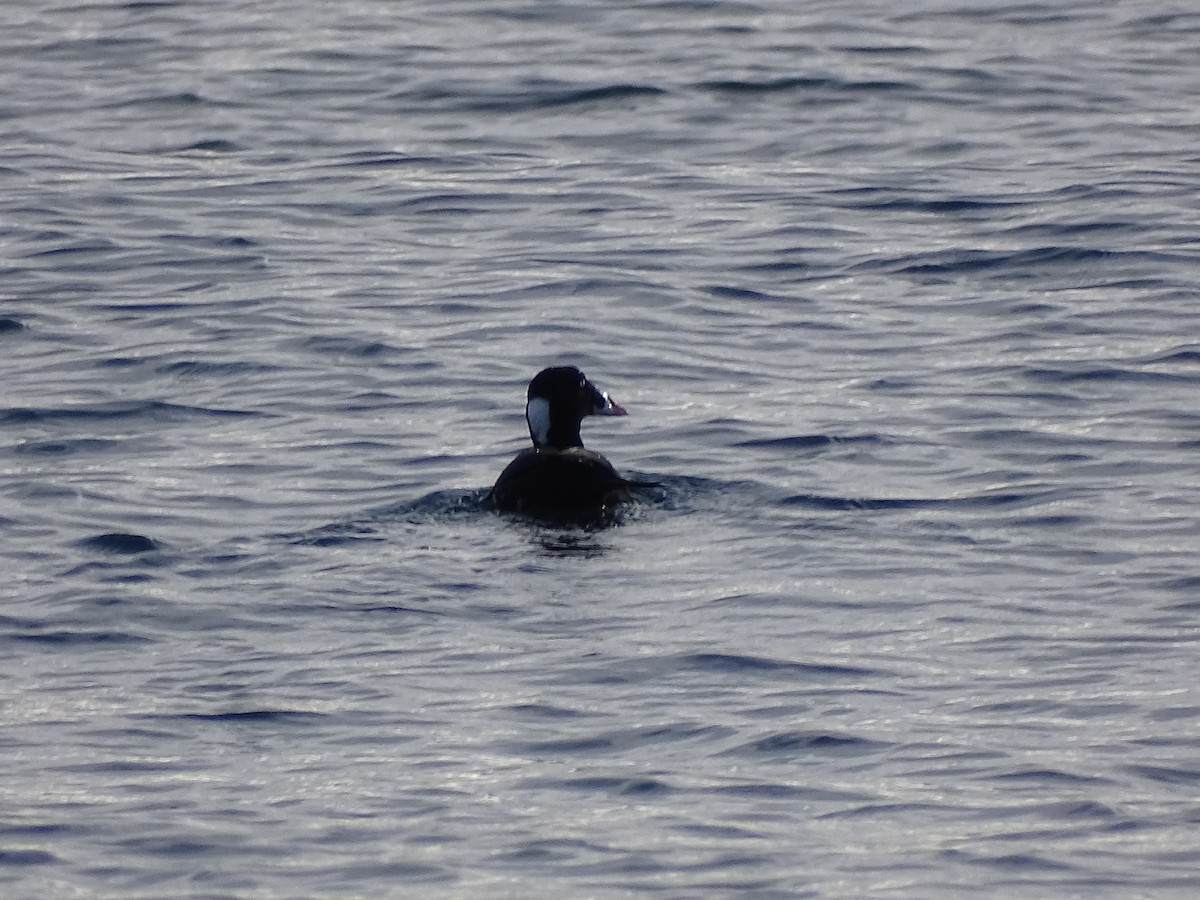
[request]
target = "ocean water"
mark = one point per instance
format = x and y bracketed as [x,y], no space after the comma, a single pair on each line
[903,299]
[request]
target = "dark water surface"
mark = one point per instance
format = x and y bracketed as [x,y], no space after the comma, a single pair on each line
[902,298]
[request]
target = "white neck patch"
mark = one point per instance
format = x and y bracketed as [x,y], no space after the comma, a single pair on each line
[537,414]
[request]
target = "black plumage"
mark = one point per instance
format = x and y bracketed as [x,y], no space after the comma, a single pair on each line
[558,476]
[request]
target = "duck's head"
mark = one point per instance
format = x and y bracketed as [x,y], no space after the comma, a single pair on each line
[557,401]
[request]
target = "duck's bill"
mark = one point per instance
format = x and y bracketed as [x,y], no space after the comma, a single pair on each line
[609,407]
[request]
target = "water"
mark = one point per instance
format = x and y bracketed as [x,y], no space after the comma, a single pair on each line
[901,298]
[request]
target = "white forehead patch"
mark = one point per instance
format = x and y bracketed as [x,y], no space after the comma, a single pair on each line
[537,414]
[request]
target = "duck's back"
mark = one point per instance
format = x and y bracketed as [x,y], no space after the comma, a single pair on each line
[573,480]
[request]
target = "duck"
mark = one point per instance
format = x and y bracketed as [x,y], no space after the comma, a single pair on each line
[558,476]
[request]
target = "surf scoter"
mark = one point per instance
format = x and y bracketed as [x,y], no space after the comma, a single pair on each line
[557,475]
